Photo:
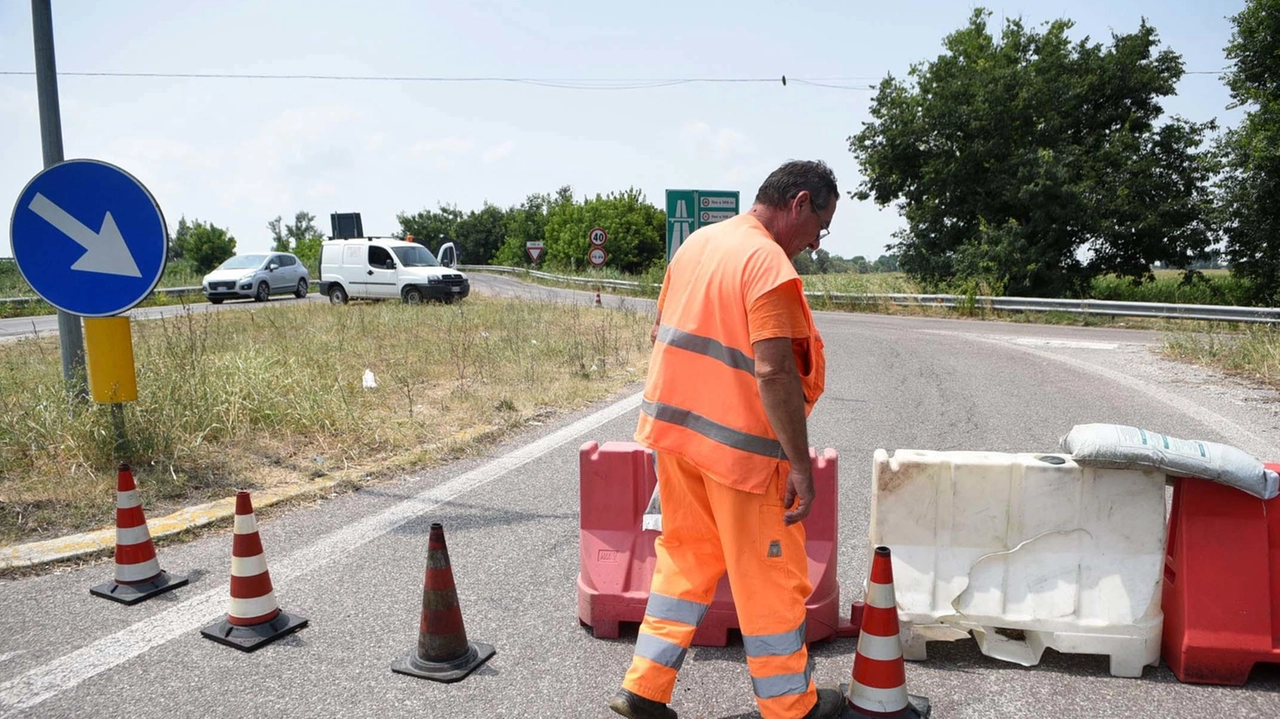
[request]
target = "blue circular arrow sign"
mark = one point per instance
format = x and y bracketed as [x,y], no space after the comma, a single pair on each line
[89,238]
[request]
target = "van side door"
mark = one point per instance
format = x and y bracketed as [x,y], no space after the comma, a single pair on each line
[383,278]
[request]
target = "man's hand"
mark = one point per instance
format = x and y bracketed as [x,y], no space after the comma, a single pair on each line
[783,397]
[799,486]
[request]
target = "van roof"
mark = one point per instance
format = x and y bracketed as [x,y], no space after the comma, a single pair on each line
[375,241]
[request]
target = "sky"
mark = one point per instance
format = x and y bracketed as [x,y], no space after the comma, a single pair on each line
[239,152]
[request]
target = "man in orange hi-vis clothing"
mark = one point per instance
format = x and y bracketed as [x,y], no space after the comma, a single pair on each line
[737,366]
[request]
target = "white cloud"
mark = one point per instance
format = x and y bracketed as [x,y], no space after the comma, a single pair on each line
[499,151]
[723,144]
[440,152]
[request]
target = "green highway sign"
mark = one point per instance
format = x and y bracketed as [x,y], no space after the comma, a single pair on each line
[689,210]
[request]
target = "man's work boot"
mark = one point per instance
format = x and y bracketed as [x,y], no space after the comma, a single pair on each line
[830,705]
[634,706]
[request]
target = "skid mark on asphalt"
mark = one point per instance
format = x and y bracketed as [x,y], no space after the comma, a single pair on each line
[49,680]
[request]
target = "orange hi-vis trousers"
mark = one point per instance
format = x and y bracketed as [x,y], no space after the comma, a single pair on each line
[708,528]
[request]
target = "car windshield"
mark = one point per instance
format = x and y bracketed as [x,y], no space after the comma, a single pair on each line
[416,256]
[243,262]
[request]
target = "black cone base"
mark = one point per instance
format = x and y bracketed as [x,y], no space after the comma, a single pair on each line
[448,672]
[917,708]
[131,594]
[248,639]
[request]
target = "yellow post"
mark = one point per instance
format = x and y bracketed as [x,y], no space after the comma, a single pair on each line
[108,346]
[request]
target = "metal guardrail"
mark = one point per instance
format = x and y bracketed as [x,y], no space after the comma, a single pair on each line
[158,290]
[1156,310]
[1159,310]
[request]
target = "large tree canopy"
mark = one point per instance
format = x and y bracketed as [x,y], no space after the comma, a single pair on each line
[1032,164]
[1250,186]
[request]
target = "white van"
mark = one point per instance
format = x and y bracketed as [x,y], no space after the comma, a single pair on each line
[381,269]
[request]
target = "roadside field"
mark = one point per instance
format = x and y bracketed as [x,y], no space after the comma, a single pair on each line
[274,396]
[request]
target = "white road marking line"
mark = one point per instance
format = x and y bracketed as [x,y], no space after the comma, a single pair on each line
[10,655]
[1068,344]
[63,673]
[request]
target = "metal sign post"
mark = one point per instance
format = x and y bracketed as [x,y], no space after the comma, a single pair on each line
[70,335]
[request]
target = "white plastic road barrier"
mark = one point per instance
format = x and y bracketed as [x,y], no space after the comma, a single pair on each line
[1070,557]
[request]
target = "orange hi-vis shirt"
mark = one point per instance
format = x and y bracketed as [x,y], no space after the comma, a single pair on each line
[729,285]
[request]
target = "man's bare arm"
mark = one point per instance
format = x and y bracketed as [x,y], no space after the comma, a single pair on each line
[783,397]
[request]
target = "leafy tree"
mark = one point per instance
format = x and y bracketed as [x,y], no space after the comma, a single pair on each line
[305,238]
[207,246]
[860,265]
[178,244]
[430,227]
[886,263]
[1034,164]
[279,241]
[637,231]
[805,264]
[1249,191]
[528,223]
[480,234]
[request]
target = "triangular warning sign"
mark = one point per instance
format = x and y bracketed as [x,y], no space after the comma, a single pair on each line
[535,253]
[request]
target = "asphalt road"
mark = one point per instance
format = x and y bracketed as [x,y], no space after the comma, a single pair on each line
[353,564]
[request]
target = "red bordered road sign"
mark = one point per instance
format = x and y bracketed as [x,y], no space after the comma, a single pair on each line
[597,256]
[534,250]
[598,236]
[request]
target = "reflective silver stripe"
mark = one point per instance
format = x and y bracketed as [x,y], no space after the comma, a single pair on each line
[881,649]
[675,610]
[713,430]
[659,650]
[774,645]
[712,348]
[885,701]
[782,685]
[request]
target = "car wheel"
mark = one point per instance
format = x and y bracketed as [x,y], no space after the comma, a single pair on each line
[302,289]
[412,295]
[217,301]
[337,295]
[263,294]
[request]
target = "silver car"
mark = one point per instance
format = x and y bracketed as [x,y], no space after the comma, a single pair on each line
[257,276]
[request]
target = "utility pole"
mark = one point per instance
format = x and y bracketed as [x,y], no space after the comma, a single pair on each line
[70,334]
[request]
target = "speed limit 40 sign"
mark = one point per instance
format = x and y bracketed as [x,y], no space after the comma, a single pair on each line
[598,236]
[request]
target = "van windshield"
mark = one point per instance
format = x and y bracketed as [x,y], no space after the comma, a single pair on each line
[416,256]
[243,262]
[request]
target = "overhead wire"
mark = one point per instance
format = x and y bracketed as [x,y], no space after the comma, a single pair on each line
[835,83]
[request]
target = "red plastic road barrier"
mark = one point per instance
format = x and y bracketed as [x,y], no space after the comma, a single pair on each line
[1221,583]
[617,557]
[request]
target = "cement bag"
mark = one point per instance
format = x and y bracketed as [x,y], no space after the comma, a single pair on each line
[1120,447]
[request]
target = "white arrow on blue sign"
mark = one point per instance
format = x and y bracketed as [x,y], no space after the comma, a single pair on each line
[74,267]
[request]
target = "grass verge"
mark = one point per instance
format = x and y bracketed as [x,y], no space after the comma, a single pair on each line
[1254,355]
[260,398]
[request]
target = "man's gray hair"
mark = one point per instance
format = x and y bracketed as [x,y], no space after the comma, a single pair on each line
[784,183]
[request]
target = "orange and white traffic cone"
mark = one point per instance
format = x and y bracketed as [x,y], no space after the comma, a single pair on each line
[597,303]
[443,653]
[254,618]
[138,575]
[879,684]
